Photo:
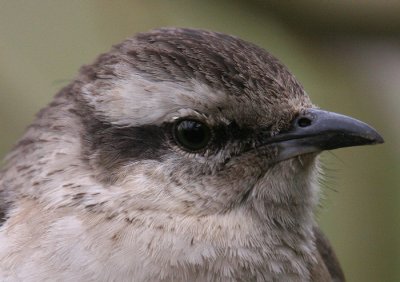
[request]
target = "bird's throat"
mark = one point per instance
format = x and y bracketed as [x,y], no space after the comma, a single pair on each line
[287,194]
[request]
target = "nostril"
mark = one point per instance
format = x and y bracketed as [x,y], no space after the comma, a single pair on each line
[304,122]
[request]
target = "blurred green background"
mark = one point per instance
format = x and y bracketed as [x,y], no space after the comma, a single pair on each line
[345,53]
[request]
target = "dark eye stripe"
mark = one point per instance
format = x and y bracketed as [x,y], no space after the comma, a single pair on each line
[110,147]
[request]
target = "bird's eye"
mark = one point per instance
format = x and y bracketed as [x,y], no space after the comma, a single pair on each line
[192,135]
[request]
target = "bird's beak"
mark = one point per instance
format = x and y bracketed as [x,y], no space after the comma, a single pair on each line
[317,130]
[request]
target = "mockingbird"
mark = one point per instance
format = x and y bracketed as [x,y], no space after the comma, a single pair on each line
[179,155]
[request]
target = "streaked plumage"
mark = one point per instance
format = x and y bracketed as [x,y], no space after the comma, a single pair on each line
[102,187]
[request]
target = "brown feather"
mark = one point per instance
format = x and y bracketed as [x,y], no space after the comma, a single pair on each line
[327,267]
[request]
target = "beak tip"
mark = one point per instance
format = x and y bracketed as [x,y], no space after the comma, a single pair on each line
[378,139]
[373,136]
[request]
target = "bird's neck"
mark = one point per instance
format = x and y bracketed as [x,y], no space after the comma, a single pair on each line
[270,233]
[285,198]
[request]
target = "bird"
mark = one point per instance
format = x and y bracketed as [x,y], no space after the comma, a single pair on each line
[179,155]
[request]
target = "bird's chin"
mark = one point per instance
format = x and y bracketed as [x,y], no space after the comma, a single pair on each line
[308,158]
[303,160]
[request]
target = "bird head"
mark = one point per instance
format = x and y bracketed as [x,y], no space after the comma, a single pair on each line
[196,122]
